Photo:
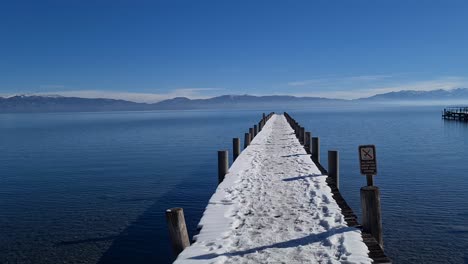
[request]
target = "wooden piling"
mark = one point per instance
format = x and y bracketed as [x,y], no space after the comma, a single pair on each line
[255,130]
[371,214]
[223,164]
[177,229]
[252,134]
[308,141]
[246,140]
[302,135]
[316,149]
[334,167]
[235,148]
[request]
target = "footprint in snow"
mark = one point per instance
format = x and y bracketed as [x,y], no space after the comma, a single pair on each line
[325,210]
[325,199]
[325,224]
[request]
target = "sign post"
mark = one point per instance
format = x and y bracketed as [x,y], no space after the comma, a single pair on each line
[368,162]
[370,194]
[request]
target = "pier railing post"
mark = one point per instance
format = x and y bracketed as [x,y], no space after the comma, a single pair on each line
[371,214]
[302,135]
[235,148]
[308,142]
[246,140]
[223,164]
[334,167]
[316,149]
[177,229]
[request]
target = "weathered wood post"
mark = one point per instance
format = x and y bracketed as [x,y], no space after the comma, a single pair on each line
[252,135]
[302,135]
[235,148]
[334,167]
[255,130]
[308,142]
[223,164]
[246,140]
[371,214]
[316,149]
[177,229]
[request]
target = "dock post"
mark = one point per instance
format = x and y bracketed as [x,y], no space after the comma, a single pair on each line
[177,229]
[246,140]
[255,130]
[308,142]
[235,148]
[252,135]
[302,136]
[334,167]
[316,149]
[371,214]
[223,164]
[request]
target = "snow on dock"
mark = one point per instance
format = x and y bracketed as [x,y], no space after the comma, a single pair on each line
[274,206]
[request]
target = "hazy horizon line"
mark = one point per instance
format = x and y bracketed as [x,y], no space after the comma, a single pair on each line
[127,96]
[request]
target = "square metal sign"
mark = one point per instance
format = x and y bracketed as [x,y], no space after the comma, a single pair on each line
[367,160]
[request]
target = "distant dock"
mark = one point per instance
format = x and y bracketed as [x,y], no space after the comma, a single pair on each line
[459,113]
[277,204]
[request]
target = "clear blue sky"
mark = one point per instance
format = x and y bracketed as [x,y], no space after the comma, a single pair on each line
[151,50]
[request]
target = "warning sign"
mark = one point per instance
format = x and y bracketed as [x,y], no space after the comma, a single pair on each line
[367,160]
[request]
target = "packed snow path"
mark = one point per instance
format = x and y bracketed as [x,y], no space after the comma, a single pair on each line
[274,206]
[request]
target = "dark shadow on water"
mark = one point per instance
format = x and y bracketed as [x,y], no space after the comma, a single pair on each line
[138,199]
[286,244]
[301,177]
[88,240]
[146,239]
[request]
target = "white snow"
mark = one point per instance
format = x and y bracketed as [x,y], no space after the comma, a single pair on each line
[274,206]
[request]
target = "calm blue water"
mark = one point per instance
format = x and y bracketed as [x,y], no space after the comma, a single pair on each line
[93,187]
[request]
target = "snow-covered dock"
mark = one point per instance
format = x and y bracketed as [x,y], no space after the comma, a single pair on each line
[275,206]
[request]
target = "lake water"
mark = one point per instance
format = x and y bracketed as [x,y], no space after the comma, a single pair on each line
[93,187]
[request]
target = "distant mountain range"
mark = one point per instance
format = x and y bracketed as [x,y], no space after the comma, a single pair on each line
[410,95]
[36,103]
[242,101]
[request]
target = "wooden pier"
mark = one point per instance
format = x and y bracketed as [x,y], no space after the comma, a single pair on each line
[459,113]
[277,202]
